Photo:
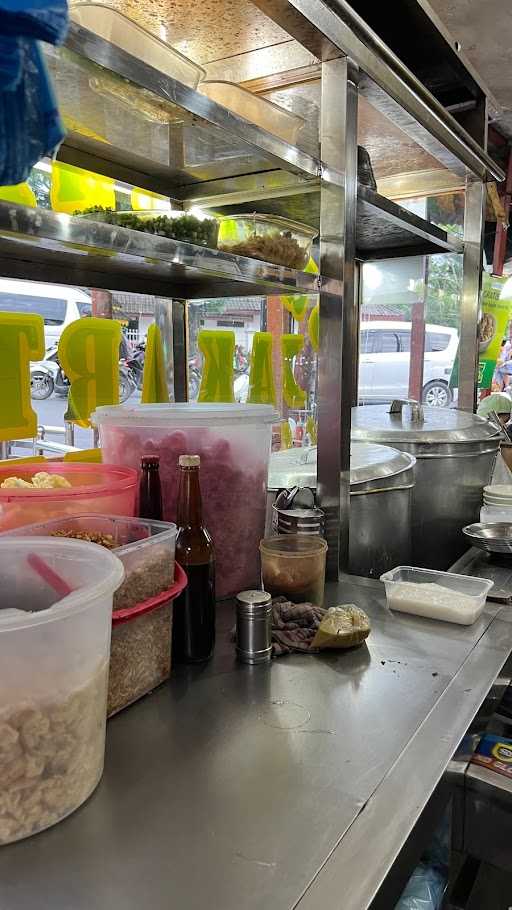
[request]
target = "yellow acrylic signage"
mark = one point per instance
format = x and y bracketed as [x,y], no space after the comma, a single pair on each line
[218,350]
[74,189]
[89,355]
[21,340]
[154,385]
[262,389]
[294,396]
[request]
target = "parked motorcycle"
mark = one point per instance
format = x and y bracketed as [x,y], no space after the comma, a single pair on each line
[47,376]
[136,364]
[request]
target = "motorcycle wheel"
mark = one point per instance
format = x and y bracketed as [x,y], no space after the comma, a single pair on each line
[41,386]
[126,388]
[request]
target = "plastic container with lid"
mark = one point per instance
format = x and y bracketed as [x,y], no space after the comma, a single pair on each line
[268,237]
[141,648]
[146,549]
[109,489]
[455,453]
[54,653]
[293,565]
[233,441]
[258,110]
[381,486]
[117,28]
[436,595]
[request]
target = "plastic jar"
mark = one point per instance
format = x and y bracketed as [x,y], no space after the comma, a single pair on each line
[233,441]
[54,658]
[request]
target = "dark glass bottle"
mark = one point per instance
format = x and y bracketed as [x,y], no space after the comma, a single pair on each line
[150,490]
[193,633]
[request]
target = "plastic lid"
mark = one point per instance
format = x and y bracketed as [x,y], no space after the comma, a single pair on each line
[106,572]
[189,461]
[446,425]
[184,414]
[297,467]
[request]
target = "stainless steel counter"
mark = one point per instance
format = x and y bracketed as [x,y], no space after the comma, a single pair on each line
[241,787]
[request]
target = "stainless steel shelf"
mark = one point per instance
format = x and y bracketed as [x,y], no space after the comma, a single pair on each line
[384,230]
[181,137]
[47,246]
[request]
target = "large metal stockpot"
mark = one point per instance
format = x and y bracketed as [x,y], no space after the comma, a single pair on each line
[455,453]
[381,482]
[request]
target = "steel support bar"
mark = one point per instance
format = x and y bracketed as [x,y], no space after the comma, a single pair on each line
[474,214]
[164,321]
[500,240]
[338,310]
[324,32]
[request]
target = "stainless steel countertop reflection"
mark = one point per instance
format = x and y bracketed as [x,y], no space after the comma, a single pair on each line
[295,783]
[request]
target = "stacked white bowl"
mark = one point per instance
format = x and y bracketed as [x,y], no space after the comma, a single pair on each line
[497,503]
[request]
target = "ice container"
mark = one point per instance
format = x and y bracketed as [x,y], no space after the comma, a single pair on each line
[54,656]
[233,441]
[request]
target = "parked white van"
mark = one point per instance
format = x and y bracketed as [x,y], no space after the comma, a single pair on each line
[385,353]
[58,304]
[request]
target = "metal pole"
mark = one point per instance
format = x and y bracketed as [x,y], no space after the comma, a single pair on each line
[472,278]
[339,318]
[164,320]
[69,433]
[180,349]
[500,241]
[5,450]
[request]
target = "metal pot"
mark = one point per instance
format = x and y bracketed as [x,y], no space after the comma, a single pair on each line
[381,483]
[455,453]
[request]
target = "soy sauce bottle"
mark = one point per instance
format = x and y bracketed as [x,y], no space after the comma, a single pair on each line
[193,631]
[150,490]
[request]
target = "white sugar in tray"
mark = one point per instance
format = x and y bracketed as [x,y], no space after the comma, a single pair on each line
[436,595]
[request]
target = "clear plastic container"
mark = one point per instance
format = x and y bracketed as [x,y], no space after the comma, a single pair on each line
[267,237]
[146,549]
[233,442]
[54,654]
[436,595]
[294,566]
[140,652]
[94,488]
[117,28]
[258,110]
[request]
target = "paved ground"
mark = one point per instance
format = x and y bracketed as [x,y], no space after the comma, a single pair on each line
[51,413]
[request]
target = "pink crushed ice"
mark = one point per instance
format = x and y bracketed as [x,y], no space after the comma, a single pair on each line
[233,493]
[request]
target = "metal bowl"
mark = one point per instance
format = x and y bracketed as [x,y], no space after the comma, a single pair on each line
[495,537]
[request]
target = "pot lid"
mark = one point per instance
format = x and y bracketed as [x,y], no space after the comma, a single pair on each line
[444,425]
[368,461]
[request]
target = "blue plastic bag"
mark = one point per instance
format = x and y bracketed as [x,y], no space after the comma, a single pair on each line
[30,125]
[424,890]
[41,20]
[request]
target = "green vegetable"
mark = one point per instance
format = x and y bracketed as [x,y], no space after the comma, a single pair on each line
[186,228]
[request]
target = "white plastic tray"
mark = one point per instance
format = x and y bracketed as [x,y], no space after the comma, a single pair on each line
[404,594]
[117,28]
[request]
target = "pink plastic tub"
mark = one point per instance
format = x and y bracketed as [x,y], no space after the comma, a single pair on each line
[95,488]
[233,441]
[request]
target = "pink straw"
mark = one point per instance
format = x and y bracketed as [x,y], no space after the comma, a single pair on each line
[48,575]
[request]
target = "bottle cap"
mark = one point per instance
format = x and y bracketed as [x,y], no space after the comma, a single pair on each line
[150,461]
[189,461]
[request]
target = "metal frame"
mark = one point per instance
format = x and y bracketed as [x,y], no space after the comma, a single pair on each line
[474,220]
[354,59]
[339,324]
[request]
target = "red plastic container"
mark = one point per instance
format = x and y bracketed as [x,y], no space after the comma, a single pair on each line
[98,488]
[140,651]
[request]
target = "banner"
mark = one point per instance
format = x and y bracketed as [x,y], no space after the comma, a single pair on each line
[496,314]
